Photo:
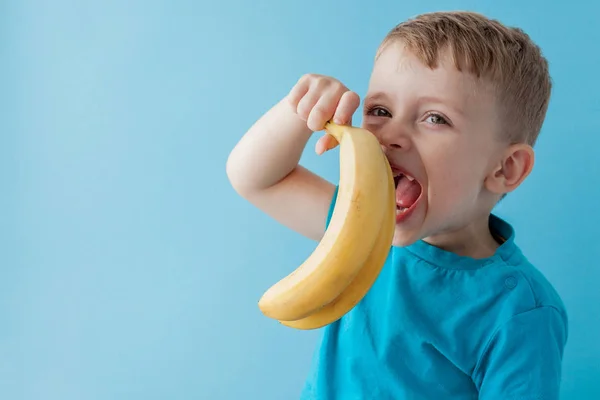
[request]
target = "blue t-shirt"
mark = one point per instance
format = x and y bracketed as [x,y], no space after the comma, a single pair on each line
[438,326]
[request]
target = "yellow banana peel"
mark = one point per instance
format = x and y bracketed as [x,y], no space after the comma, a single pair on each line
[355,245]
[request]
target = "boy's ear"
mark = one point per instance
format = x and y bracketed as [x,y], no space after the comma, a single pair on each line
[515,165]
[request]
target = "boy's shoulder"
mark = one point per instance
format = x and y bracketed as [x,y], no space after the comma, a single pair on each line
[530,324]
[510,290]
[543,293]
[534,287]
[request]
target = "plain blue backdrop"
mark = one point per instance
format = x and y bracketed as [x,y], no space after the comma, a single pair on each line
[129,267]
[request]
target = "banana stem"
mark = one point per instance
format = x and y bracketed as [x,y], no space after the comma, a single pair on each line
[335,130]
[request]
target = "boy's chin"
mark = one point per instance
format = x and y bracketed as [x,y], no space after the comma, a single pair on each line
[410,230]
[403,238]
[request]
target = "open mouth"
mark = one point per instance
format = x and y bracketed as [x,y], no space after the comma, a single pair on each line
[408,192]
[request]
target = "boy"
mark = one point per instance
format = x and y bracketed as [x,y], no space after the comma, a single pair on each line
[458,312]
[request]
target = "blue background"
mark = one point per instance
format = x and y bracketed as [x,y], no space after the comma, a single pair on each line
[129,267]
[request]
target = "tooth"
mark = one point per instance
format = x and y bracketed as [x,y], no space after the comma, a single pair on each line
[410,178]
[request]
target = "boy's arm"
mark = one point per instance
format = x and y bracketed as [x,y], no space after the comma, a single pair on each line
[263,167]
[524,358]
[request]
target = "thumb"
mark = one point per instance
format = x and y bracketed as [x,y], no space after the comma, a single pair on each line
[325,143]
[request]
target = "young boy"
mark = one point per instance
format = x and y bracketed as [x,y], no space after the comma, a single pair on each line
[458,312]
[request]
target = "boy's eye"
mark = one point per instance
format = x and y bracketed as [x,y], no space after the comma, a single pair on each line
[436,119]
[378,112]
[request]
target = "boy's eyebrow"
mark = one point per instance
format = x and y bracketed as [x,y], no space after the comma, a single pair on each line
[377,96]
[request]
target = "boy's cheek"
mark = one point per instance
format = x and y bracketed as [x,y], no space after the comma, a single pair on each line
[369,123]
[449,190]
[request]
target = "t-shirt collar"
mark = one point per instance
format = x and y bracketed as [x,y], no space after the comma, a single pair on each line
[446,259]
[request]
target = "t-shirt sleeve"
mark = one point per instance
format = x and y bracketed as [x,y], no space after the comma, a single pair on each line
[332,206]
[523,359]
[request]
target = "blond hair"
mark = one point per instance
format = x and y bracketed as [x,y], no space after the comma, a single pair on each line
[504,56]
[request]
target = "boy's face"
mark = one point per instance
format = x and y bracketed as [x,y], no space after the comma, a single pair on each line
[438,126]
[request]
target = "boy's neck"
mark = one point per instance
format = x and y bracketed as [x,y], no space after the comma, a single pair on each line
[474,240]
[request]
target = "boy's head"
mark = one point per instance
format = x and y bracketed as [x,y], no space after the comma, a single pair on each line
[457,101]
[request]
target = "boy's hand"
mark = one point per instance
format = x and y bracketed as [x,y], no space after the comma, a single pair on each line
[318,99]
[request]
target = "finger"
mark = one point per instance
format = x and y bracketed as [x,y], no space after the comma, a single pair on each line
[307,103]
[347,105]
[321,145]
[323,110]
[298,91]
[325,143]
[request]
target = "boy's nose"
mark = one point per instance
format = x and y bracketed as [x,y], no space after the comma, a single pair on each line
[394,140]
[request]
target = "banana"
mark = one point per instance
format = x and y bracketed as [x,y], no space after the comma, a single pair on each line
[355,224]
[365,279]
